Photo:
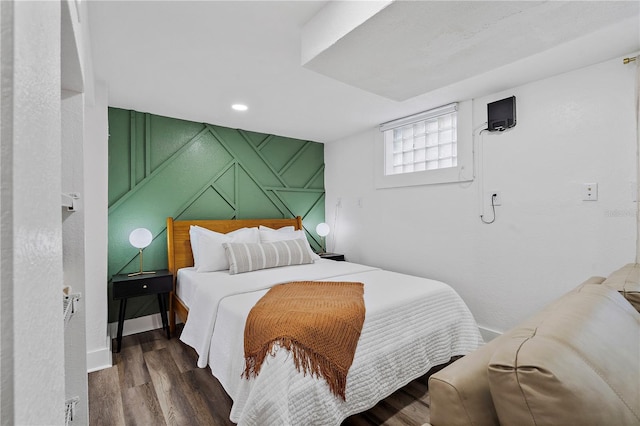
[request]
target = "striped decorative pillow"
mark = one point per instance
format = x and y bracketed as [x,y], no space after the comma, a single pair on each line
[246,257]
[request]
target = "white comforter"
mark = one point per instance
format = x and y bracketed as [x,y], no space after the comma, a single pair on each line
[411,325]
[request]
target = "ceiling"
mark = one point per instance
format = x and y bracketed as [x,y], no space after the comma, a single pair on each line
[367,62]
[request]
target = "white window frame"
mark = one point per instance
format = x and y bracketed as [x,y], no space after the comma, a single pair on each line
[462,172]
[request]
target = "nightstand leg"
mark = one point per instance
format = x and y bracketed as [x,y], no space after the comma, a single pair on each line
[123,308]
[163,314]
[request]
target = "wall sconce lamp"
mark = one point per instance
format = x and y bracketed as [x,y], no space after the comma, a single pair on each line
[322,230]
[140,238]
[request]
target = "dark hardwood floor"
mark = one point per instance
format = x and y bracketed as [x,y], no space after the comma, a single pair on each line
[155,381]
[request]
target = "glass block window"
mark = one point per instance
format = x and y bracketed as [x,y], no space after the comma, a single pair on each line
[425,141]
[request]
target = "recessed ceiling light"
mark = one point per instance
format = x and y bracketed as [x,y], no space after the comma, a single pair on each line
[239,107]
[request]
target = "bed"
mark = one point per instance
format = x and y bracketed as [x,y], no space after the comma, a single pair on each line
[411,325]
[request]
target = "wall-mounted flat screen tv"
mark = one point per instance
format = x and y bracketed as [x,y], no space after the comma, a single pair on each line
[501,115]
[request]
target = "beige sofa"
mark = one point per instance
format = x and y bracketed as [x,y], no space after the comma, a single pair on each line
[576,362]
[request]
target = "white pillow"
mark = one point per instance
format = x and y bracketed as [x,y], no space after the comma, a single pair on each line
[194,234]
[283,229]
[268,235]
[209,255]
[211,252]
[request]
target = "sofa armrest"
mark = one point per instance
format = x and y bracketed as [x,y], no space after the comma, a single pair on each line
[578,365]
[460,393]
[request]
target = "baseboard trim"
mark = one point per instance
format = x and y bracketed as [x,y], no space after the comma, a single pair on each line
[489,334]
[101,358]
[137,325]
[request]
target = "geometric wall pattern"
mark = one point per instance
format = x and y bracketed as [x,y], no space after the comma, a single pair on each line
[161,167]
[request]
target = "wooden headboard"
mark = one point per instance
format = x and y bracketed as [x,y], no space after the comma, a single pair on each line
[179,244]
[179,247]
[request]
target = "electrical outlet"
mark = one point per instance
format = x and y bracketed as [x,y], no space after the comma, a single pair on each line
[495,198]
[590,192]
[339,202]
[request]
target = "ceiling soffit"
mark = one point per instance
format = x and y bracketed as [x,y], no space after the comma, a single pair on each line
[410,48]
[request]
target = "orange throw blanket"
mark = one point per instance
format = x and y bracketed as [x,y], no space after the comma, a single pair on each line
[318,322]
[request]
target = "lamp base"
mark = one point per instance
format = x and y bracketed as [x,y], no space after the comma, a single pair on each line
[140,273]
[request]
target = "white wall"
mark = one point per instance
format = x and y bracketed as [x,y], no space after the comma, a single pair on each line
[32,336]
[42,363]
[572,128]
[96,207]
[73,258]
[87,242]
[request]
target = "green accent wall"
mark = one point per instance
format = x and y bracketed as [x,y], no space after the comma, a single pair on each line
[161,167]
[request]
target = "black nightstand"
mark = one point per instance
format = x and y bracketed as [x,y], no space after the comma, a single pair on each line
[124,286]
[332,256]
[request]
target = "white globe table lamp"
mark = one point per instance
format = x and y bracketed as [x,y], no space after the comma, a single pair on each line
[322,230]
[140,238]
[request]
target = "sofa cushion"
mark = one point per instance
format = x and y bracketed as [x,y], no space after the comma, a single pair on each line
[626,280]
[579,365]
[460,393]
